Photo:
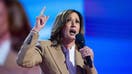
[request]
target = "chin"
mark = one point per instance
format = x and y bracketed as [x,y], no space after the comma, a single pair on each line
[72,37]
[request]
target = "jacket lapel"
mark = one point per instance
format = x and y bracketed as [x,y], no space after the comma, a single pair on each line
[78,58]
[59,59]
[79,62]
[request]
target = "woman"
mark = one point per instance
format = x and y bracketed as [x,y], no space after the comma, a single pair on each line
[12,33]
[59,54]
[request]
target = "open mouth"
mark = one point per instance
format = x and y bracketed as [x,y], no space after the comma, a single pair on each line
[72,32]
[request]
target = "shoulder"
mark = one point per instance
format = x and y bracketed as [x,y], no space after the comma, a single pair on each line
[45,42]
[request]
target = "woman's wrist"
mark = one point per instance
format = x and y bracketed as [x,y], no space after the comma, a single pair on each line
[36,29]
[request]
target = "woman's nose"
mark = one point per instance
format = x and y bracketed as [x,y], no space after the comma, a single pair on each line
[73,23]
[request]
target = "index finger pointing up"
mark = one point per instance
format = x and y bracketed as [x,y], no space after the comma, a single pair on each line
[43,10]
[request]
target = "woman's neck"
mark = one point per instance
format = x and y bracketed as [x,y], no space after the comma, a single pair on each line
[68,43]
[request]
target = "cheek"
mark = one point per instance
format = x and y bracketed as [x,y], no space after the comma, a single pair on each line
[3,21]
[3,18]
[78,28]
[65,31]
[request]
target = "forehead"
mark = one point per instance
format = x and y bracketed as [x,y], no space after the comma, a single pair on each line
[73,14]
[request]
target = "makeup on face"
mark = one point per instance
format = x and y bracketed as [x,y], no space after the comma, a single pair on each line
[72,26]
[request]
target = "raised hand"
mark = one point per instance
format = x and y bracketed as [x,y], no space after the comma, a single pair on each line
[41,20]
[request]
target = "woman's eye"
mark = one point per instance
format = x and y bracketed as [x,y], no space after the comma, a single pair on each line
[77,21]
[68,20]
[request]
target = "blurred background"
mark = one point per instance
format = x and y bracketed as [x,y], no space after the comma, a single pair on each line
[108,31]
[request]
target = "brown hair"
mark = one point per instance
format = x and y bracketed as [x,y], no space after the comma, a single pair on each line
[18,31]
[60,22]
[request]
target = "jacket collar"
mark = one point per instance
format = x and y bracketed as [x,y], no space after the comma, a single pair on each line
[59,58]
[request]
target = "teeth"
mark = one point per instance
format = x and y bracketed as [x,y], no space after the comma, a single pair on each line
[72,32]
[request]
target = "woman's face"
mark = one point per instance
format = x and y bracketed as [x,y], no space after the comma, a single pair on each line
[71,27]
[3,18]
